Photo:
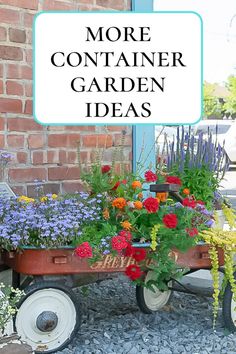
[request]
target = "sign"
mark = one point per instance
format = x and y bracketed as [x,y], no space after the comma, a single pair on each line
[117,68]
[5,191]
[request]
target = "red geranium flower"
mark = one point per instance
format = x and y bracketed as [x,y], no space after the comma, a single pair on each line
[106,168]
[139,254]
[150,176]
[124,181]
[118,243]
[129,250]
[133,271]
[187,202]
[170,221]
[126,234]
[192,232]
[174,180]
[151,204]
[84,250]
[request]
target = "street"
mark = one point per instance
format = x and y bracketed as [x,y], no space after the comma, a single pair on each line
[229,186]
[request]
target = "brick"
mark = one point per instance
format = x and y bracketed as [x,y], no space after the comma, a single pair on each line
[39,157]
[1,70]
[28,89]
[35,141]
[17,35]
[23,125]
[17,71]
[72,157]
[118,140]
[19,190]
[9,16]
[46,189]
[63,173]
[1,87]
[100,140]
[116,128]
[62,157]
[27,174]
[29,56]
[63,140]
[58,5]
[84,157]
[53,156]
[15,141]
[28,107]
[10,53]
[2,141]
[86,7]
[22,157]
[25,4]
[72,187]
[3,34]
[113,4]
[29,37]
[28,19]
[2,124]
[14,88]
[104,141]
[9,105]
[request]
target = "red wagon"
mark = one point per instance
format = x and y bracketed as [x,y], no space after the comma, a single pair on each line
[49,314]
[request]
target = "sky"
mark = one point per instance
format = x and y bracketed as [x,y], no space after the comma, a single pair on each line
[219,20]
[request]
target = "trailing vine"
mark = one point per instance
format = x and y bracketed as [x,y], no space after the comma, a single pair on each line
[225,240]
[216,281]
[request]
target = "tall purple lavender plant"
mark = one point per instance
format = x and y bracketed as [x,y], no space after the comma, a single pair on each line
[197,151]
[199,161]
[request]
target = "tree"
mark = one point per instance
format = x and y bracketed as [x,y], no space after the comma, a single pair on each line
[230,101]
[212,105]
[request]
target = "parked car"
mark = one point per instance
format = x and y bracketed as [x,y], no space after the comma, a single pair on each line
[224,131]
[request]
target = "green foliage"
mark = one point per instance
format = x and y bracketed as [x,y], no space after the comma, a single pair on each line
[230,101]
[212,106]
[9,297]
[202,183]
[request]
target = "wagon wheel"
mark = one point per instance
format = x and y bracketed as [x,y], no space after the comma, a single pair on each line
[48,316]
[229,308]
[151,301]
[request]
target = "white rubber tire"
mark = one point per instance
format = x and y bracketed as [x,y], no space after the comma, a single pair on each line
[149,301]
[53,298]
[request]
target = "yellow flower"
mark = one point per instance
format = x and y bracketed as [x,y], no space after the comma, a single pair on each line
[43,199]
[25,199]
[106,214]
[154,237]
[54,196]
[126,225]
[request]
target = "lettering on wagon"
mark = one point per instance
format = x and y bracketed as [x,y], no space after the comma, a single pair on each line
[110,262]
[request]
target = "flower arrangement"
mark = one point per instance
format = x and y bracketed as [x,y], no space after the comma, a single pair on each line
[9,297]
[198,161]
[46,222]
[130,217]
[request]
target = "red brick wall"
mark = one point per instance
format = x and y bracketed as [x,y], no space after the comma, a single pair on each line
[44,153]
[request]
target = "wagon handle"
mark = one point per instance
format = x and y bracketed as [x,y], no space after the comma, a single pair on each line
[172,189]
